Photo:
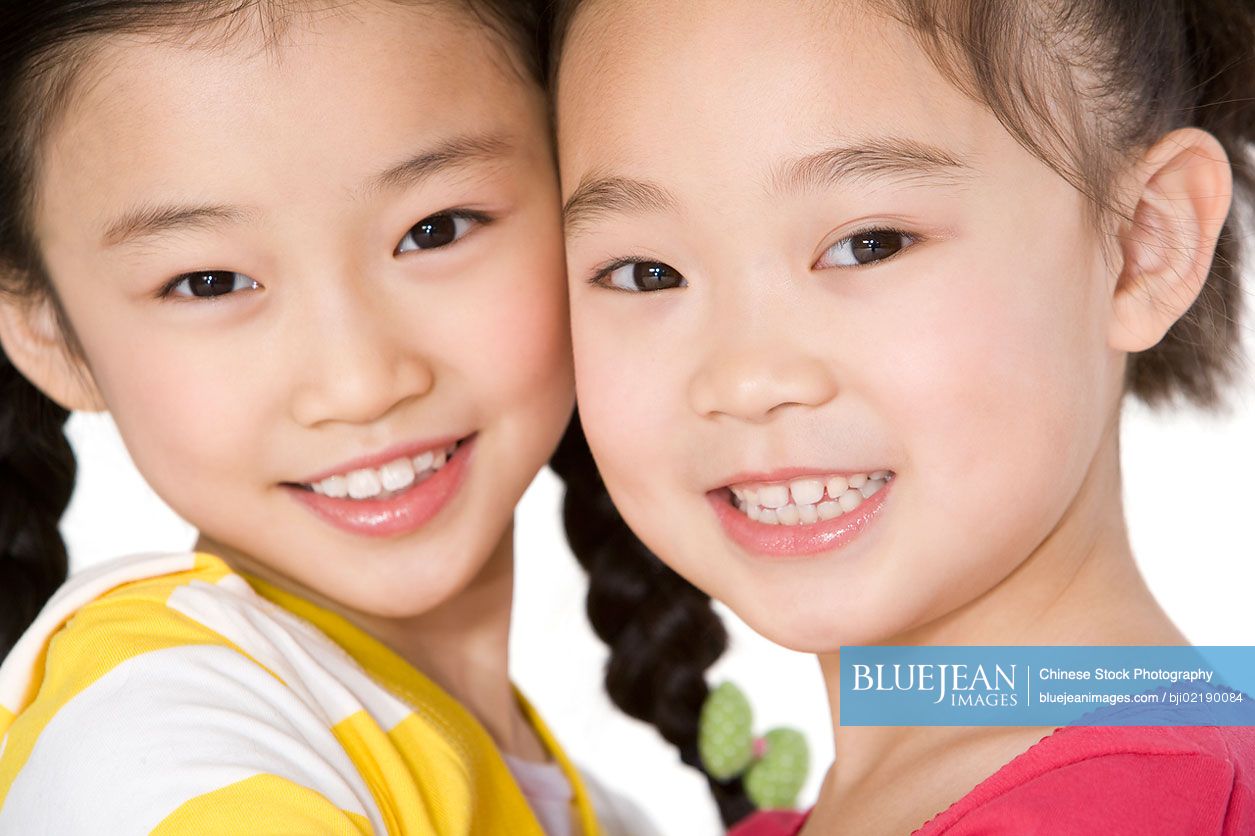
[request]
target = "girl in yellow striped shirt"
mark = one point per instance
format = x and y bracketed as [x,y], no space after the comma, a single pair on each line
[308,256]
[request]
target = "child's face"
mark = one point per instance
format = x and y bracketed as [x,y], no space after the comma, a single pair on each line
[305,166]
[739,144]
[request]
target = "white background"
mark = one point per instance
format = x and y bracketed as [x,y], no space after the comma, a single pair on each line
[1191,510]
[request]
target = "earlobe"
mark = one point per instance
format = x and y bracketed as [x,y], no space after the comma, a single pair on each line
[1186,188]
[34,343]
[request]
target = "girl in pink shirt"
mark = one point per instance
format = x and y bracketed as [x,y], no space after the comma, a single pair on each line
[858,291]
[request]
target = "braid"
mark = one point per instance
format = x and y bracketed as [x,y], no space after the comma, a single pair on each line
[661,630]
[36,480]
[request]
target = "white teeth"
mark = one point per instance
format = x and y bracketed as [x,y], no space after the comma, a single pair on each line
[870,487]
[364,483]
[397,475]
[850,500]
[809,500]
[829,510]
[806,491]
[773,496]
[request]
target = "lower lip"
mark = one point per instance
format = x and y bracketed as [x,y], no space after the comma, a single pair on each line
[402,514]
[797,540]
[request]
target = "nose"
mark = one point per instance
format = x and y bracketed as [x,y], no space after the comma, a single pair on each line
[359,364]
[755,366]
[761,350]
[750,387]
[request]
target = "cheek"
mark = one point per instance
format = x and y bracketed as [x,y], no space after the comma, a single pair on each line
[190,419]
[996,386]
[624,401]
[514,346]
[1004,329]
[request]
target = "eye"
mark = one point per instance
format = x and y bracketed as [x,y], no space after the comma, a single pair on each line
[436,231]
[204,284]
[864,248]
[638,276]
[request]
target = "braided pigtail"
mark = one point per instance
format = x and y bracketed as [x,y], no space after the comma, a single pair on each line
[661,630]
[36,479]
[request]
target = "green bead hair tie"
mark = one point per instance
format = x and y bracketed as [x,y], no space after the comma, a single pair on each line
[772,768]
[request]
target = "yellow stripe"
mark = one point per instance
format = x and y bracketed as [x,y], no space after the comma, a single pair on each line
[437,771]
[261,805]
[465,782]
[129,621]
[380,758]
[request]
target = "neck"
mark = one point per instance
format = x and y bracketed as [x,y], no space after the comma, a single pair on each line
[462,644]
[1079,586]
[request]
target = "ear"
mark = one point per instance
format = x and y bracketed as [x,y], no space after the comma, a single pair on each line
[1184,187]
[32,338]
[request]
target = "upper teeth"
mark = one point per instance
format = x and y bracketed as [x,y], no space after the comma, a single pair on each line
[808,499]
[395,476]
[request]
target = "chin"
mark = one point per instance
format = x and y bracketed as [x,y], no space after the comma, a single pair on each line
[818,628]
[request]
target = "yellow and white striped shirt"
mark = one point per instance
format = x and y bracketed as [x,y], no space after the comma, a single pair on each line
[169,694]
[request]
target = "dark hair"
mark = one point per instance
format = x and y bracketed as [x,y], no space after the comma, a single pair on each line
[661,630]
[1120,73]
[42,46]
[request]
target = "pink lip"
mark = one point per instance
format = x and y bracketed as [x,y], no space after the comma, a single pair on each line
[784,474]
[796,540]
[402,514]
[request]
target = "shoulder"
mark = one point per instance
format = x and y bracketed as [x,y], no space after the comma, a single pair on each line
[1082,779]
[143,701]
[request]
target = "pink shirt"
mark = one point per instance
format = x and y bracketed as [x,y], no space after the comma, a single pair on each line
[1099,780]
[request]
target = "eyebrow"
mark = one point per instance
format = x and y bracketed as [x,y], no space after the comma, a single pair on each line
[882,158]
[452,154]
[597,197]
[150,220]
[887,158]
[147,221]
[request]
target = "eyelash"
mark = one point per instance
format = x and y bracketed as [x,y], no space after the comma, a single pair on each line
[479,219]
[914,239]
[168,290]
[601,274]
[605,271]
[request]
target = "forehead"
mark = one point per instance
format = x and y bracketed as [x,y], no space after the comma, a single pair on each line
[712,82]
[249,118]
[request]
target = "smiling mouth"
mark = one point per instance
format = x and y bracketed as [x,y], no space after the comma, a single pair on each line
[806,500]
[386,481]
